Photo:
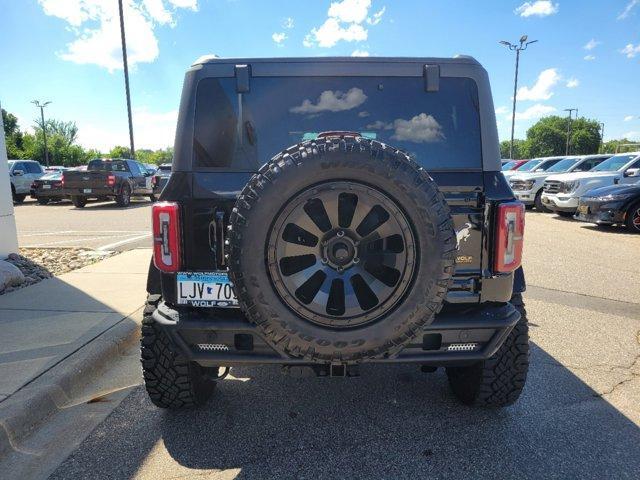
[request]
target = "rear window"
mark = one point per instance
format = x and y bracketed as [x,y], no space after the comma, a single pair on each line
[107,165]
[243,131]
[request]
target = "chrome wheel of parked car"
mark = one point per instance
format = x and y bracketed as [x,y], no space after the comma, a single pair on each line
[633,218]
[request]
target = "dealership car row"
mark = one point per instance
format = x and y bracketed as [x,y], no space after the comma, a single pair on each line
[602,189]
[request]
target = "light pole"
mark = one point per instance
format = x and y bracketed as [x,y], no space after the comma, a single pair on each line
[601,138]
[570,110]
[523,44]
[126,79]
[44,129]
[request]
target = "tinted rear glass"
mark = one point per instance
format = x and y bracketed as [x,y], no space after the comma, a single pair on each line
[243,131]
[108,165]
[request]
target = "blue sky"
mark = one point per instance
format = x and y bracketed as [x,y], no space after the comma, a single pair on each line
[68,51]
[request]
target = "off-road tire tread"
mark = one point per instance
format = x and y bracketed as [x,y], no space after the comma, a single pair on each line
[499,380]
[170,379]
[294,157]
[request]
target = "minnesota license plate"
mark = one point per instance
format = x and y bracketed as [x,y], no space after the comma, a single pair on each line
[206,289]
[86,190]
[583,209]
[46,187]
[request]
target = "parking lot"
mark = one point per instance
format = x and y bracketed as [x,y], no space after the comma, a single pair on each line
[100,225]
[579,416]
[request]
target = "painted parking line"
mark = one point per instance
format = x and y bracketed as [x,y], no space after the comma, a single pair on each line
[123,242]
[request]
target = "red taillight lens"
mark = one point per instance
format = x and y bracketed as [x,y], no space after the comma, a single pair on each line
[62,181]
[154,181]
[166,236]
[111,180]
[509,238]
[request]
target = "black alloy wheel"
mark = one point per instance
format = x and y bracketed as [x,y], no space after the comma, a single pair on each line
[341,254]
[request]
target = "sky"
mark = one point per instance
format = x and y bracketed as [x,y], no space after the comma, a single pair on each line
[69,52]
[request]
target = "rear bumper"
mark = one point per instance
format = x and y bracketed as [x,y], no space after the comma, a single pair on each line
[95,192]
[47,194]
[226,339]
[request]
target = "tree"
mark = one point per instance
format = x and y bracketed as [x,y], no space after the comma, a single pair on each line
[12,134]
[519,149]
[548,137]
[120,152]
[157,157]
[613,146]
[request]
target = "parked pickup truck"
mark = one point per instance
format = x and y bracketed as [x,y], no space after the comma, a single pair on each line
[119,179]
[562,192]
[527,186]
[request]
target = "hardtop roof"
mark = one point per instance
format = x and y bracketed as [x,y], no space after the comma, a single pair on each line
[459,59]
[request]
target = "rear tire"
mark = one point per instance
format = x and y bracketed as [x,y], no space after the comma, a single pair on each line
[170,379]
[42,201]
[153,198]
[124,199]
[499,380]
[78,202]
[632,221]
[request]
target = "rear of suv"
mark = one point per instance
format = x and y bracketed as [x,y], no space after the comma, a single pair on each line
[327,213]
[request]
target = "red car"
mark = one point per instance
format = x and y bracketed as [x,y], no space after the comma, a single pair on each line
[513,165]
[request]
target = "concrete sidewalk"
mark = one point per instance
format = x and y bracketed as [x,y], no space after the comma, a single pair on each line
[61,333]
[45,323]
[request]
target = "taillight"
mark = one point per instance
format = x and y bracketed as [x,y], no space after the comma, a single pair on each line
[154,180]
[111,180]
[62,181]
[166,236]
[509,237]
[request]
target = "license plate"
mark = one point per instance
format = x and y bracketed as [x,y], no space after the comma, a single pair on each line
[583,209]
[46,187]
[86,190]
[209,289]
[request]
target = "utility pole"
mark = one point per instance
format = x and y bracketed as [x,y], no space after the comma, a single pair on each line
[44,129]
[126,79]
[570,110]
[601,137]
[523,44]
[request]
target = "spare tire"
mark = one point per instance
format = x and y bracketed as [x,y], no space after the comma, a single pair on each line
[341,249]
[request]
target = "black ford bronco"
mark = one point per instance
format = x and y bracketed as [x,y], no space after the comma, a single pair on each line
[329,212]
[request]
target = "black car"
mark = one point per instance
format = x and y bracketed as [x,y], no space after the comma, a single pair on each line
[116,178]
[160,178]
[324,213]
[48,188]
[614,204]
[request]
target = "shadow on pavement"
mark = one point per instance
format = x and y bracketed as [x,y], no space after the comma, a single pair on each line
[393,422]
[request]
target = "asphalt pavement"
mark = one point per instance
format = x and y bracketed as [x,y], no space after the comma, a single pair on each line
[578,417]
[99,225]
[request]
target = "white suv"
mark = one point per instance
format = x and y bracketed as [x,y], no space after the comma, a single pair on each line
[527,187]
[562,192]
[22,173]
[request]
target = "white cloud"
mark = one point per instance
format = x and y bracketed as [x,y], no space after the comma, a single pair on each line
[422,128]
[96,26]
[350,11]
[330,101]
[534,111]
[589,58]
[279,37]
[627,10]
[541,90]
[628,118]
[633,135]
[330,33]
[363,114]
[573,83]
[379,125]
[591,44]
[540,8]
[288,23]
[345,21]
[376,18]
[631,50]
[360,53]
[501,110]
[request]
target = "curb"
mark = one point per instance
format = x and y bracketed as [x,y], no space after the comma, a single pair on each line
[27,409]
